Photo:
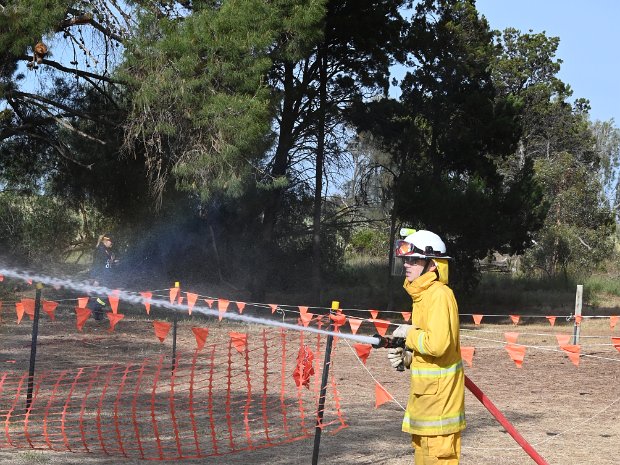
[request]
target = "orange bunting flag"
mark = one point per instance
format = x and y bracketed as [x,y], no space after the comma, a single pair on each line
[274,307]
[578,319]
[515,319]
[147,301]
[174,292]
[517,354]
[201,336]
[191,301]
[612,321]
[114,318]
[339,319]
[406,315]
[161,329]
[467,354]
[304,368]
[477,319]
[381,395]
[19,309]
[382,326]
[1,278]
[239,341]
[573,353]
[49,307]
[354,323]
[28,307]
[305,318]
[562,339]
[616,343]
[302,309]
[180,300]
[374,314]
[551,320]
[209,302]
[82,302]
[222,306]
[511,338]
[240,306]
[363,351]
[82,314]
[113,299]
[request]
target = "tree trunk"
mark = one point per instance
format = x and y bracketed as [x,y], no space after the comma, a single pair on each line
[318,184]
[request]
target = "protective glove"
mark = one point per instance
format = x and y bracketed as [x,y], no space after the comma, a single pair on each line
[401,331]
[398,355]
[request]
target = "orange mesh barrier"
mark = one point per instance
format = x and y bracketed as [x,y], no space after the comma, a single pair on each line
[211,402]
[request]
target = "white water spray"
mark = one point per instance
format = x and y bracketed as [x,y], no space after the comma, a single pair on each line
[136,298]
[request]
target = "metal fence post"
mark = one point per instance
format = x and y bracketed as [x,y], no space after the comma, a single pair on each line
[33,344]
[323,392]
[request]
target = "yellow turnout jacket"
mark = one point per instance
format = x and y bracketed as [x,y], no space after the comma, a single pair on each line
[437,398]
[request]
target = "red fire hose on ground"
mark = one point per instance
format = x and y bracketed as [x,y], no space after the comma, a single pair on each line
[484,400]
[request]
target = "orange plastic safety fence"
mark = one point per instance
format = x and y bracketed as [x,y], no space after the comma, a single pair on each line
[211,402]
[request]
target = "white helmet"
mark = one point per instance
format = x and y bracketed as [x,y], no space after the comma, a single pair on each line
[421,244]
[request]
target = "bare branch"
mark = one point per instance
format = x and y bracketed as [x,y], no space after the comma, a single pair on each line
[77,72]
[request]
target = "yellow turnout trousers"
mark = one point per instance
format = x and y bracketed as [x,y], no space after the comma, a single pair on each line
[437,450]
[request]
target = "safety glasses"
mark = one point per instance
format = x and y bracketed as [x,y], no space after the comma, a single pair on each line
[404,248]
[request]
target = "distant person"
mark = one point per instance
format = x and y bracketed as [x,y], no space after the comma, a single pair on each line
[435,414]
[102,272]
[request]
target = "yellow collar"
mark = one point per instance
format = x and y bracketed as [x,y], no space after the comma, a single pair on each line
[419,285]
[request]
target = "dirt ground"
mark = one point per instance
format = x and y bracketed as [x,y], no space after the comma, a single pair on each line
[570,414]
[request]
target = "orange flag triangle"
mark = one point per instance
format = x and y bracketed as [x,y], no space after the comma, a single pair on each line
[517,354]
[82,302]
[616,343]
[382,326]
[222,305]
[147,301]
[201,336]
[511,338]
[240,306]
[467,354]
[477,319]
[354,323]
[573,353]
[180,299]
[239,341]
[1,277]
[381,395]
[174,292]
[161,329]
[113,299]
[302,309]
[274,307]
[406,315]
[363,351]
[19,309]
[305,318]
[562,339]
[612,321]
[515,319]
[83,314]
[209,302]
[578,319]
[114,318]
[374,314]
[191,301]
[28,307]
[551,320]
[49,307]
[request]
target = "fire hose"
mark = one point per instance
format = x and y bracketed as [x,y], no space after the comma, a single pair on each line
[395,342]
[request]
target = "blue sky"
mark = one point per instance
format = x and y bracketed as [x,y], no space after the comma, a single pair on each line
[589,35]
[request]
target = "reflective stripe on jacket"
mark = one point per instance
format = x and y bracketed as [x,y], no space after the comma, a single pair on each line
[437,398]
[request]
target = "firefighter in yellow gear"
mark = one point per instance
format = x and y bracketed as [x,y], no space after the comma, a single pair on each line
[435,413]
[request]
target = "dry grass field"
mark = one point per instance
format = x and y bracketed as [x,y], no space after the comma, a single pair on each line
[570,414]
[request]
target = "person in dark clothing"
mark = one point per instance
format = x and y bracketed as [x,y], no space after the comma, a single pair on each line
[102,272]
